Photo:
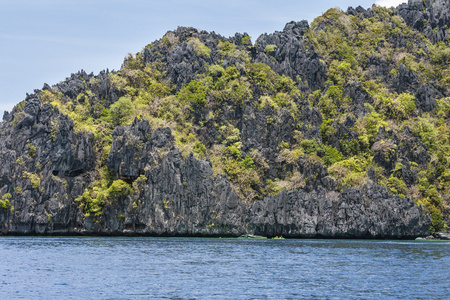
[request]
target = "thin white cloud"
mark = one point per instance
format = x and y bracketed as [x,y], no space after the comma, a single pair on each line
[390,3]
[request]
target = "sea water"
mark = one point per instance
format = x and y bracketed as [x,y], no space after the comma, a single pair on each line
[195,268]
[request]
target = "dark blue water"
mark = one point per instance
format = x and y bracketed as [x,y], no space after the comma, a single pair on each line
[188,268]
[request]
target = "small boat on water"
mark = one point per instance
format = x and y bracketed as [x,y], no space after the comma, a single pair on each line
[421,239]
[253,237]
[278,238]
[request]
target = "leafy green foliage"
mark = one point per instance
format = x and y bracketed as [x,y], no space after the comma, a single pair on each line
[396,186]
[104,191]
[437,223]
[199,149]
[368,128]
[31,149]
[327,153]
[270,48]
[199,47]
[426,131]
[354,103]
[117,189]
[34,179]
[195,92]
[347,43]
[120,111]
[4,202]
[351,171]
[246,41]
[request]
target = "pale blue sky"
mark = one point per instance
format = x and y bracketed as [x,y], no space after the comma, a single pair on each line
[44,41]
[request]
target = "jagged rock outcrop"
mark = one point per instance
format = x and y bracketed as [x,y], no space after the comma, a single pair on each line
[389,148]
[430,17]
[406,81]
[79,82]
[360,12]
[184,198]
[184,60]
[59,178]
[134,148]
[442,236]
[426,97]
[181,196]
[45,166]
[377,67]
[286,53]
[359,96]
[366,213]
[408,175]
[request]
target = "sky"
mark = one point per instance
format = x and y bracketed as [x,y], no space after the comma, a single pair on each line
[44,41]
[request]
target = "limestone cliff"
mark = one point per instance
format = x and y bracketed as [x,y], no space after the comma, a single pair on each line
[202,135]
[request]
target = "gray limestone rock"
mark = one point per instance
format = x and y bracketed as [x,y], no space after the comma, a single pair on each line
[46,164]
[426,97]
[430,17]
[366,213]
[181,196]
[292,56]
[442,236]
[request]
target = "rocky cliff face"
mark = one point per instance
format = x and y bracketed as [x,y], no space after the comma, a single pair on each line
[45,166]
[291,55]
[430,17]
[355,213]
[178,196]
[134,178]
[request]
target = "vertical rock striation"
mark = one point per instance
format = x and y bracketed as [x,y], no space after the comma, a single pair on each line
[47,163]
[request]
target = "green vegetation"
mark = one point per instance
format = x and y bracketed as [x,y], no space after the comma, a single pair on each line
[226,97]
[246,41]
[346,43]
[4,202]
[18,190]
[270,48]
[199,47]
[34,179]
[32,150]
[199,149]
[104,191]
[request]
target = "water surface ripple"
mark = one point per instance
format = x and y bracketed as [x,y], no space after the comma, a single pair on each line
[193,268]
